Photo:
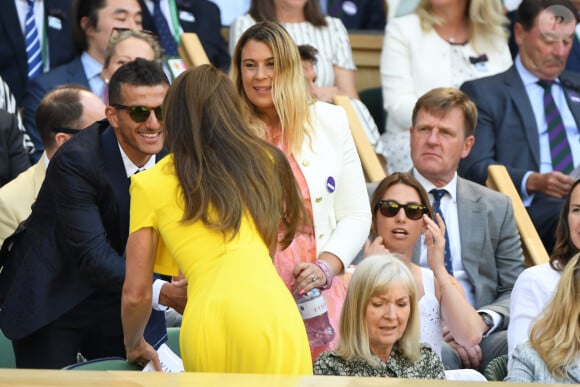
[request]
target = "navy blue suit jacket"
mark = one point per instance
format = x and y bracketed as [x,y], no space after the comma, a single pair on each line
[71,72]
[573,63]
[206,24]
[507,134]
[13,59]
[73,243]
[361,14]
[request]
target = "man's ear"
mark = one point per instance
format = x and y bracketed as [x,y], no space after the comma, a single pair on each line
[467,145]
[111,114]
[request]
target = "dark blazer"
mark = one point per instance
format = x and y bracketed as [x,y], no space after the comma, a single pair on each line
[361,14]
[507,134]
[13,59]
[71,72]
[573,63]
[13,157]
[506,131]
[206,24]
[72,245]
[491,251]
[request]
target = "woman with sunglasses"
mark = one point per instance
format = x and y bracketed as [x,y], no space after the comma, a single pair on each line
[402,216]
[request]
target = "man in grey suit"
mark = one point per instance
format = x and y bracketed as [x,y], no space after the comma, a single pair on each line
[484,245]
[517,127]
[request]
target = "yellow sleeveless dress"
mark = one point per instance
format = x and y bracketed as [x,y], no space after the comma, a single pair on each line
[240,317]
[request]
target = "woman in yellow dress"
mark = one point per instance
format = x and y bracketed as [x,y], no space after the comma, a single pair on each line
[212,209]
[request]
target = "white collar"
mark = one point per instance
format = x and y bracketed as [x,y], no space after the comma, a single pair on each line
[451,187]
[130,167]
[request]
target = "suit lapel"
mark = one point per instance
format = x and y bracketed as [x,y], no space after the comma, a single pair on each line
[115,171]
[572,92]
[9,18]
[469,209]
[521,101]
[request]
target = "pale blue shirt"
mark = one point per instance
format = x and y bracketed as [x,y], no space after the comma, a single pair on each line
[535,94]
[93,71]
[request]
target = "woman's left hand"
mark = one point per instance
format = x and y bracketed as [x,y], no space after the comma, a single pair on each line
[435,241]
[307,276]
[142,354]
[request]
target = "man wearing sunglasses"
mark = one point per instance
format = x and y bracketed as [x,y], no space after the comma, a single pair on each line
[60,115]
[485,253]
[70,251]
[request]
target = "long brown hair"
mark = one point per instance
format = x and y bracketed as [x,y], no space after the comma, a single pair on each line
[564,248]
[224,169]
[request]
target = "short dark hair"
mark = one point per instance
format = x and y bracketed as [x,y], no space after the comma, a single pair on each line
[60,108]
[80,9]
[140,72]
[308,52]
[529,10]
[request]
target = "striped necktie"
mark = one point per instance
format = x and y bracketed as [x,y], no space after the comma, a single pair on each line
[33,51]
[559,145]
[163,32]
[437,195]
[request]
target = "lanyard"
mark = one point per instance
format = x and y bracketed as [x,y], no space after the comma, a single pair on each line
[175,21]
[45,65]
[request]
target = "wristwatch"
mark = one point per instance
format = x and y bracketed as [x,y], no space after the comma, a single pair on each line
[487,320]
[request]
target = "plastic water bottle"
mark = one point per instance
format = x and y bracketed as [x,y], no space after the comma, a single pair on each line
[315,315]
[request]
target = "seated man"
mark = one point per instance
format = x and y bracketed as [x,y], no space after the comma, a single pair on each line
[60,114]
[529,115]
[63,269]
[13,156]
[483,250]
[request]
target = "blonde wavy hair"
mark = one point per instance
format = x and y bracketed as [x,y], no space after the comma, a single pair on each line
[556,335]
[486,20]
[374,275]
[290,94]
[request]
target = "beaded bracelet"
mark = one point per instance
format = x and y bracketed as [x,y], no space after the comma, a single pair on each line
[326,270]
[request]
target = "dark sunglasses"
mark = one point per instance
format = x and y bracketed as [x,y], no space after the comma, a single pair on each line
[65,130]
[390,208]
[140,113]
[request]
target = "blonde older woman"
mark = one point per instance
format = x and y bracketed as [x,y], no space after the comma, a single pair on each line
[379,326]
[442,44]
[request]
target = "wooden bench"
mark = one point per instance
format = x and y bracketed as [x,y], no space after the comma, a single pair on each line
[498,179]
[372,167]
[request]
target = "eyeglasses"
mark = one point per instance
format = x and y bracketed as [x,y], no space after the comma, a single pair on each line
[140,113]
[65,130]
[390,208]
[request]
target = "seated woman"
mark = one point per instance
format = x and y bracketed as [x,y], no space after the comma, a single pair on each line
[125,46]
[379,326]
[306,24]
[535,285]
[553,351]
[440,296]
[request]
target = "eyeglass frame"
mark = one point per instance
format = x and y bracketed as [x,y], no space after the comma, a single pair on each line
[132,111]
[385,204]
